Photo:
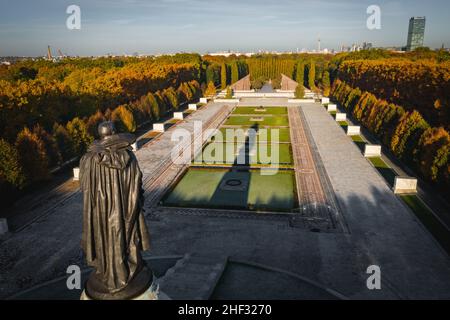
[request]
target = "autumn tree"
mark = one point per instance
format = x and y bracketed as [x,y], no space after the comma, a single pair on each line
[10,169]
[300,73]
[63,141]
[124,119]
[234,72]
[79,136]
[299,91]
[326,83]
[32,156]
[311,75]
[223,76]
[210,90]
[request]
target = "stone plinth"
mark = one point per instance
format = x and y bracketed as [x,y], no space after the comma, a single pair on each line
[192,106]
[158,127]
[372,150]
[76,174]
[353,130]
[341,116]
[325,100]
[331,107]
[405,185]
[203,100]
[178,115]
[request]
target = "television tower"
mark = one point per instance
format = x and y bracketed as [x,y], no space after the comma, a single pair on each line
[318,45]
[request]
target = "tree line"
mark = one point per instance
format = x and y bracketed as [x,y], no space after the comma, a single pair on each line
[404,131]
[47,121]
[422,85]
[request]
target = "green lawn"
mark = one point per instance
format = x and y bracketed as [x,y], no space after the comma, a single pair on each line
[427,218]
[227,153]
[359,141]
[274,121]
[386,171]
[343,124]
[253,110]
[204,188]
[265,135]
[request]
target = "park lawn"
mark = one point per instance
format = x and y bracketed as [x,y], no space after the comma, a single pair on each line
[343,124]
[228,153]
[252,110]
[429,220]
[201,188]
[359,141]
[265,135]
[386,171]
[275,121]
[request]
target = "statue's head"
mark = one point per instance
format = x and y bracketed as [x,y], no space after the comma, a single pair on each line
[106,129]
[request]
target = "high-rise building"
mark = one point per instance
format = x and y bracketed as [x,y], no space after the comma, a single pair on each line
[416,33]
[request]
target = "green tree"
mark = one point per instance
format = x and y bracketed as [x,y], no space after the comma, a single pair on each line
[223,76]
[234,72]
[63,141]
[229,94]
[124,119]
[32,156]
[300,91]
[210,90]
[312,75]
[326,83]
[300,73]
[79,135]
[10,168]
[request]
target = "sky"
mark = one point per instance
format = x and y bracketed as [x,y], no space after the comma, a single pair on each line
[168,26]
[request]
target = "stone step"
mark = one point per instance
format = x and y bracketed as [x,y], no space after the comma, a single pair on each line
[192,278]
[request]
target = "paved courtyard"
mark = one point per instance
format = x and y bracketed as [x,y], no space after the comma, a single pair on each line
[379,229]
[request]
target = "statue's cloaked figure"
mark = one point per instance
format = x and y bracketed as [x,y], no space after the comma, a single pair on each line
[114,230]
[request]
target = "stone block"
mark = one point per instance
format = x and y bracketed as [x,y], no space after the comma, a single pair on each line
[372,150]
[353,130]
[405,185]
[158,127]
[341,116]
[331,107]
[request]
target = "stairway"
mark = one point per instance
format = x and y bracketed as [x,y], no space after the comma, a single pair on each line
[192,278]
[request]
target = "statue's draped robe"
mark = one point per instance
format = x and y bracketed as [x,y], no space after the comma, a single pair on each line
[114,230]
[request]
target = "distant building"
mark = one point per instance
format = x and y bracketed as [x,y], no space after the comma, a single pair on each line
[416,33]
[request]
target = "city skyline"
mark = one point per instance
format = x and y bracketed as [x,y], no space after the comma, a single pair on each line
[168,26]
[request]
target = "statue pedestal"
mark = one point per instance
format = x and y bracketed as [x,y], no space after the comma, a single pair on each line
[152,293]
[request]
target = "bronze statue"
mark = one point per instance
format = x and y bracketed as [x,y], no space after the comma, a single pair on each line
[114,230]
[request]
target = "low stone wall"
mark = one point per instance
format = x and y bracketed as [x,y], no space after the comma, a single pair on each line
[325,100]
[227,100]
[405,185]
[300,101]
